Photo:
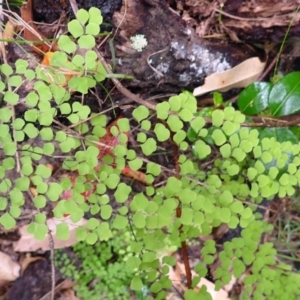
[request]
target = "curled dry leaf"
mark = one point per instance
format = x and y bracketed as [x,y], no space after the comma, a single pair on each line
[28,259]
[63,71]
[176,277]
[4,286]
[63,291]
[9,31]
[27,242]
[136,175]
[238,77]
[31,32]
[9,269]
[7,34]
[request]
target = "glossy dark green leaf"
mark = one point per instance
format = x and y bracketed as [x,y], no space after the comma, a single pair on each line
[285,94]
[296,131]
[281,134]
[254,98]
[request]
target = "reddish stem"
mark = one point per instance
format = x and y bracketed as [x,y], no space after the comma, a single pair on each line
[184,254]
[184,250]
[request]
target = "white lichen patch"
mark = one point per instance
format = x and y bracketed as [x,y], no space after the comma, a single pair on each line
[139,42]
[179,50]
[203,60]
[163,67]
[174,45]
[187,31]
[191,57]
[221,65]
[184,77]
[209,62]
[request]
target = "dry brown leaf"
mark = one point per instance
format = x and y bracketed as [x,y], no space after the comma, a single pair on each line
[9,31]
[215,295]
[67,73]
[238,77]
[27,242]
[31,32]
[65,291]
[28,259]
[4,286]
[177,282]
[9,269]
[68,295]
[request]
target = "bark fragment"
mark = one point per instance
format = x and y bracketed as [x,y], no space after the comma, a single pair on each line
[175,57]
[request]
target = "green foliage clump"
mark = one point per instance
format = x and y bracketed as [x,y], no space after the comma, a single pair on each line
[50,94]
[272,99]
[99,270]
[224,170]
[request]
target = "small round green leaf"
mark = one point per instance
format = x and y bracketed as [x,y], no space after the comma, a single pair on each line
[75,28]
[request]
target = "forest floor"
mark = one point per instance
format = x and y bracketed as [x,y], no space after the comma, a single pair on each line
[26,264]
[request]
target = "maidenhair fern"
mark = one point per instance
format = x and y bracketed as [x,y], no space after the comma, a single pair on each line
[247,168]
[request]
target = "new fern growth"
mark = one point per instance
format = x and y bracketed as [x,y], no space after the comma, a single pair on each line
[99,270]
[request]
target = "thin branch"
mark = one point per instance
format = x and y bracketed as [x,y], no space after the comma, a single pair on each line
[184,251]
[269,68]
[124,90]
[284,39]
[74,6]
[122,20]
[240,18]
[51,246]
[149,64]
[184,254]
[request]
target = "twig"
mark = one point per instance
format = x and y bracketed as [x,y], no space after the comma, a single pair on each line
[284,39]
[1,12]
[272,122]
[124,90]
[184,251]
[148,62]
[184,254]
[239,18]
[125,12]
[203,30]
[268,69]
[51,246]
[95,115]
[2,46]
[74,6]
[287,124]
